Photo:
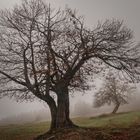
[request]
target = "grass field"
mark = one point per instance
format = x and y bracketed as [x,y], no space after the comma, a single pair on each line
[29,131]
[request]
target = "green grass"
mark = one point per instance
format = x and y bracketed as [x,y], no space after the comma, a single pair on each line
[116,120]
[28,131]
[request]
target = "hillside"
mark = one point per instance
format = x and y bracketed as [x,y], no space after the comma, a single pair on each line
[104,126]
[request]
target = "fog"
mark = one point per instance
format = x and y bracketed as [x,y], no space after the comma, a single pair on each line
[93,10]
[79,108]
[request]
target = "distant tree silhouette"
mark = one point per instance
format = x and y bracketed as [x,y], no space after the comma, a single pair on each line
[115,91]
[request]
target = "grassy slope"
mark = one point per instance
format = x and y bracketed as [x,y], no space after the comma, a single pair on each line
[116,120]
[28,131]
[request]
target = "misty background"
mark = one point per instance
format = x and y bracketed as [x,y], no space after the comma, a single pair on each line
[82,103]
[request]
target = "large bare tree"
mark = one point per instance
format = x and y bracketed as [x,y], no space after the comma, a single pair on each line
[44,51]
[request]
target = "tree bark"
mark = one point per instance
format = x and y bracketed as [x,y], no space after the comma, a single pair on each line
[63,119]
[116,108]
[53,110]
[60,114]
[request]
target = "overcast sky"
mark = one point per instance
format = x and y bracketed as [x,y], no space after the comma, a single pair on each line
[92,10]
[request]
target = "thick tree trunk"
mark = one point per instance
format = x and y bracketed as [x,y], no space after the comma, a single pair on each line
[116,108]
[67,112]
[53,110]
[60,114]
[63,119]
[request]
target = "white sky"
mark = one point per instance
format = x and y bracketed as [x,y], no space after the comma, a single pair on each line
[93,10]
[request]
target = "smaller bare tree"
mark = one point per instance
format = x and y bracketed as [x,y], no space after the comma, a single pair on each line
[114,90]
